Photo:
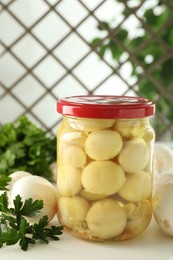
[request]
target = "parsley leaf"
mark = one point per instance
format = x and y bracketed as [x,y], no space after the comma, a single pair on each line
[31,208]
[4,180]
[42,232]
[4,203]
[14,227]
[9,237]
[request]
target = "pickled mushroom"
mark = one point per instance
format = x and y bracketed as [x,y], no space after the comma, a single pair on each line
[103,177]
[69,180]
[72,155]
[163,155]
[137,187]
[89,125]
[91,196]
[134,156]
[130,208]
[149,135]
[15,176]
[130,128]
[73,211]
[103,145]
[71,136]
[37,188]
[106,219]
[162,204]
[138,217]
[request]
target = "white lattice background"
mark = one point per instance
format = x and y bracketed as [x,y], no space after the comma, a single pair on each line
[46,55]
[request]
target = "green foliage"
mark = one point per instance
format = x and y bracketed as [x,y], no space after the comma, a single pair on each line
[4,180]
[15,228]
[148,55]
[24,146]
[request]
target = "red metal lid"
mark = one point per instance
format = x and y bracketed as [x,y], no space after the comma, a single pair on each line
[101,106]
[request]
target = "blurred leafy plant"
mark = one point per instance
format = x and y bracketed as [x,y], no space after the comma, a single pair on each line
[24,146]
[146,57]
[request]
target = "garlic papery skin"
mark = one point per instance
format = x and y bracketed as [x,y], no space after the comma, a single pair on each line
[163,206]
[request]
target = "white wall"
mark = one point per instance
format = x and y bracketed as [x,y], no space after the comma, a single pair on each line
[50,30]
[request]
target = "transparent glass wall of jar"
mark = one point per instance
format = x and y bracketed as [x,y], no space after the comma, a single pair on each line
[105,177]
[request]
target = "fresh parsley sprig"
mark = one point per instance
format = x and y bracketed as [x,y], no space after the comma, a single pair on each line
[14,227]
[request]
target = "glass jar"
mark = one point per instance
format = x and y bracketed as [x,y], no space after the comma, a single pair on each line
[105,160]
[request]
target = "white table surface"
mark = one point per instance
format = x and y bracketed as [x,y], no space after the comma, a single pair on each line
[151,245]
